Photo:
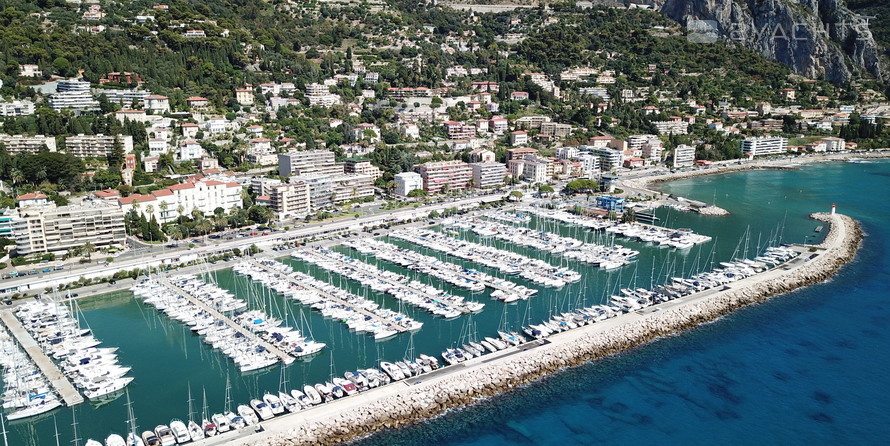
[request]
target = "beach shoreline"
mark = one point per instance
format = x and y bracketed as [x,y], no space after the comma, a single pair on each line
[423,397]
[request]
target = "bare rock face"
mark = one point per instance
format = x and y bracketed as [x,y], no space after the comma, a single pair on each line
[813,37]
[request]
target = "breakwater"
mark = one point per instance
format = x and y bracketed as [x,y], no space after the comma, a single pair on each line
[396,405]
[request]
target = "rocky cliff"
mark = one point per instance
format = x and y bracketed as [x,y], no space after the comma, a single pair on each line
[814,37]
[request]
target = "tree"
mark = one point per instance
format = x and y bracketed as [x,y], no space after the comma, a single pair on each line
[116,156]
[89,248]
[515,196]
[417,193]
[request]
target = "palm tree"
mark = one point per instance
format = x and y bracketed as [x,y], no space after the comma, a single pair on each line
[17,176]
[88,248]
[164,206]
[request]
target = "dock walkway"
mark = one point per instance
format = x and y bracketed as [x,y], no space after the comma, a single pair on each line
[50,370]
[285,358]
[331,297]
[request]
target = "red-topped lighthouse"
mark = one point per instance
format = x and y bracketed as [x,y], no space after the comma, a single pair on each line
[833,208]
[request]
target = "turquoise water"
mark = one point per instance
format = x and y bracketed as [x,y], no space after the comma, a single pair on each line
[807,355]
[808,367]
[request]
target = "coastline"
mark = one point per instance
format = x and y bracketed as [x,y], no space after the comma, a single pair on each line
[457,386]
[646,183]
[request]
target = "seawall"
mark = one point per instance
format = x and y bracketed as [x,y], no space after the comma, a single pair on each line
[400,403]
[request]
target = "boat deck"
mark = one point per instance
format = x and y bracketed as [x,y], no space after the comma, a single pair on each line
[285,358]
[333,298]
[50,370]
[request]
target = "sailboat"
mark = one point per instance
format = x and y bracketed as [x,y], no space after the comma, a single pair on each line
[132,438]
[195,431]
[209,427]
[235,421]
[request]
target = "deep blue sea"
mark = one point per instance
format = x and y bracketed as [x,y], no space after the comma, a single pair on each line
[809,367]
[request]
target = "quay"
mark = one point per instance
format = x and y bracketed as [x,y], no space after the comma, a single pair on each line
[50,370]
[332,298]
[285,358]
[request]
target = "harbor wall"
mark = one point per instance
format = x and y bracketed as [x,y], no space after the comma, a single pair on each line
[401,403]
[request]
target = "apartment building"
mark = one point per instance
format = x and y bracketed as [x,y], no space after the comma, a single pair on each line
[763,145]
[305,162]
[20,144]
[96,146]
[684,156]
[351,186]
[450,175]
[290,200]
[48,228]
[362,167]
[167,204]
[407,182]
[16,108]
[486,175]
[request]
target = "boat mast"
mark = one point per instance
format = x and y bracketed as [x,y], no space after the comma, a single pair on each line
[6,440]
[76,439]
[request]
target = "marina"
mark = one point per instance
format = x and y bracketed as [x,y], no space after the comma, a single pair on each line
[534,270]
[456,275]
[412,292]
[605,257]
[48,369]
[359,314]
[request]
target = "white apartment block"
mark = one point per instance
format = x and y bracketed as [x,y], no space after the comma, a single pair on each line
[590,165]
[684,156]
[190,150]
[453,175]
[321,192]
[73,94]
[487,175]
[763,145]
[123,96]
[19,143]
[16,108]
[157,103]
[57,229]
[407,182]
[165,204]
[290,200]
[609,158]
[567,153]
[833,144]
[351,186]
[518,138]
[636,142]
[362,167]
[308,162]
[671,127]
[216,125]
[96,146]
[263,185]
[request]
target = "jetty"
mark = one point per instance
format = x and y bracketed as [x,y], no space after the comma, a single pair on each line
[285,358]
[330,297]
[412,292]
[50,370]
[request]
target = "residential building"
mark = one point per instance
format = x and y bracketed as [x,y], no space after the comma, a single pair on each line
[407,182]
[95,146]
[30,70]
[519,95]
[260,152]
[197,103]
[290,200]
[671,127]
[189,130]
[556,129]
[16,144]
[47,228]
[567,153]
[125,97]
[165,205]
[16,108]
[216,125]
[633,162]
[833,144]
[488,174]
[194,33]
[244,96]
[263,185]
[157,104]
[590,165]
[498,125]
[532,122]
[763,145]
[536,170]
[518,138]
[73,94]
[32,199]
[684,156]
[444,175]
[150,164]
[610,158]
[457,130]
[362,167]
[321,193]
[365,131]
[410,131]
[190,150]
[308,162]
[520,153]
[481,155]
[351,186]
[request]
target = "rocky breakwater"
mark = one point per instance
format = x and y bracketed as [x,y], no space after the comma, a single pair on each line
[713,211]
[398,404]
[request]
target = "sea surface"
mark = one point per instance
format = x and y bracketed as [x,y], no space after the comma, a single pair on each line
[808,366]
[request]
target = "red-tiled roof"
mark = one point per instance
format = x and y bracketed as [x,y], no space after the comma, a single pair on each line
[181,186]
[107,193]
[162,193]
[32,196]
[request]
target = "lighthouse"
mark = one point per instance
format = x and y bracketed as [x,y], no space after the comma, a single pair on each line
[833,208]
